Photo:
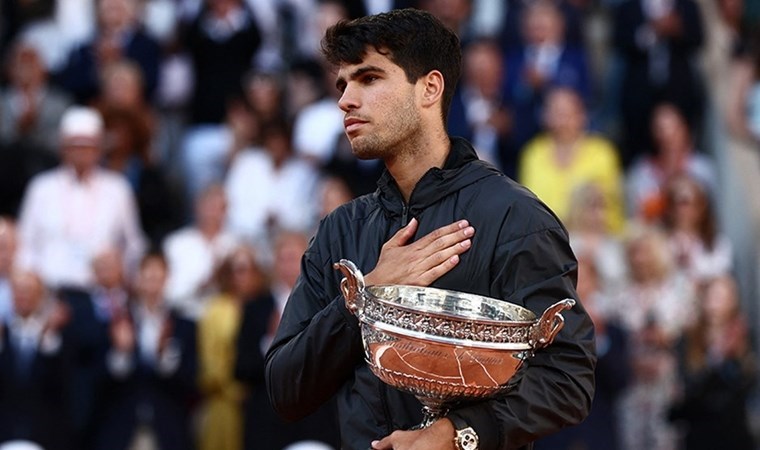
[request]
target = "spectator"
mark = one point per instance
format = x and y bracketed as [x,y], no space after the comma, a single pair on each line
[544,60]
[240,280]
[718,372]
[208,150]
[30,107]
[271,188]
[264,430]
[150,371]
[743,104]
[222,41]
[613,372]
[335,192]
[590,234]
[566,156]
[701,250]
[195,252]
[674,154]
[8,243]
[30,111]
[654,307]
[34,367]
[127,152]
[657,41]
[87,332]
[118,36]
[478,110]
[71,212]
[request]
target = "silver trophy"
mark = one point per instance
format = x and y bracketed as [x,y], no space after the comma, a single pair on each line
[444,346]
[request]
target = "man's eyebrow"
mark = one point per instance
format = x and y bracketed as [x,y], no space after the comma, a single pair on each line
[341,82]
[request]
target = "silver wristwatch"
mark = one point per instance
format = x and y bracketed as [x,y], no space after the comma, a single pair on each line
[465,437]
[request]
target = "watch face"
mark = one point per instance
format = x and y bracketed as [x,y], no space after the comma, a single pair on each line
[467,439]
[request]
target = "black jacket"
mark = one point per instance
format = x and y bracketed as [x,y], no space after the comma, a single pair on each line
[519,253]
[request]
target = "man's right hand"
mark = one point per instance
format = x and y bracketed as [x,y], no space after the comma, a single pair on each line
[423,261]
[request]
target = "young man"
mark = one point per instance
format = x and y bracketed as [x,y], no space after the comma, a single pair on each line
[397,73]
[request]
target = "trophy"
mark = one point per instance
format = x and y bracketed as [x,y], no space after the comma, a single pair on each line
[444,346]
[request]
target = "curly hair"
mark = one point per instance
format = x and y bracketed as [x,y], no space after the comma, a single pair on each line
[413,39]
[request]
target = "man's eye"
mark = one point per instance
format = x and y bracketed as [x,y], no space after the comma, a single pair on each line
[370,78]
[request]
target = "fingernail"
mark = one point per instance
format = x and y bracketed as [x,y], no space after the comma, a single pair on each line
[463,224]
[454,259]
[374,443]
[469,231]
[466,243]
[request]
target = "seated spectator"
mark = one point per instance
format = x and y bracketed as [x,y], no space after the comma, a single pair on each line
[674,154]
[240,280]
[718,370]
[195,252]
[271,188]
[479,112]
[150,376]
[702,251]
[34,373]
[72,211]
[118,36]
[264,429]
[8,244]
[555,163]
[544,59]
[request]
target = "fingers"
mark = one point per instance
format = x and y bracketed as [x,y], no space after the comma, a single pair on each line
[403,235]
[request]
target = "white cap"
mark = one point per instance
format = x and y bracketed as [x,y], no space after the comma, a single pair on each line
[81,127]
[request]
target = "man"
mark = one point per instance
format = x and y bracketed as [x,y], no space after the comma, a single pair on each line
[34,367]
[71,212]
[397,73]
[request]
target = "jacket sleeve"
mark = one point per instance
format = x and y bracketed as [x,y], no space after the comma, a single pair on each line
[556,385]
[318,342]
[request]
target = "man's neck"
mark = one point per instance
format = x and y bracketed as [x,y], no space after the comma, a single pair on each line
[408,167]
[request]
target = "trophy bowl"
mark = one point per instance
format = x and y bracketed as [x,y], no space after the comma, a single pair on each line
[444,346]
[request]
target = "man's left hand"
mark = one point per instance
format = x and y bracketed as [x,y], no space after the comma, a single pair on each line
[438,436]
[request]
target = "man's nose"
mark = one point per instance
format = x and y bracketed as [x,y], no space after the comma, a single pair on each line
[348,100]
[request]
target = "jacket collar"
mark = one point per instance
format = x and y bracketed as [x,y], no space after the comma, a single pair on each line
[462,167]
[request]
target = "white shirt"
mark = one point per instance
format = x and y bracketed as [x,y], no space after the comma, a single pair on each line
[317,128]
[64,222]
[192,260]
[258,192]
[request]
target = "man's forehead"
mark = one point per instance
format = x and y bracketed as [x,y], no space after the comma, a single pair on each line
[371,57]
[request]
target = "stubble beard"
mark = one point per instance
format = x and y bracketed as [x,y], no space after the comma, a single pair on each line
[397,137]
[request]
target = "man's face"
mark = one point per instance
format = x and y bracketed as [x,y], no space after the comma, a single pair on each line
[82,158]
[381,106]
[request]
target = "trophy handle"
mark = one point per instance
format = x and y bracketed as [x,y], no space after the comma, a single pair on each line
[543,332]
[352,286]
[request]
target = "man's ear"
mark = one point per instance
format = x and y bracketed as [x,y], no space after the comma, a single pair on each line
[432,88]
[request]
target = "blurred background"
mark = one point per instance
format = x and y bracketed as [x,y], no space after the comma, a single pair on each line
[163,164]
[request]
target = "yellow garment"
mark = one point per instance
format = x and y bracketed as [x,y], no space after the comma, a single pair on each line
[595,161]
[222,420]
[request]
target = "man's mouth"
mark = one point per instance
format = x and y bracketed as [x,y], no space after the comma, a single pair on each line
[351,124]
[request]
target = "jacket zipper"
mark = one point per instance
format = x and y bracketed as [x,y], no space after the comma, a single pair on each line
[404,215]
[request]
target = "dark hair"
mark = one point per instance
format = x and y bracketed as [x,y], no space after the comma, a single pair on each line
[414,40]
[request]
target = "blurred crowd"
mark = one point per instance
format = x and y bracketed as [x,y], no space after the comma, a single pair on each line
[163,164]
